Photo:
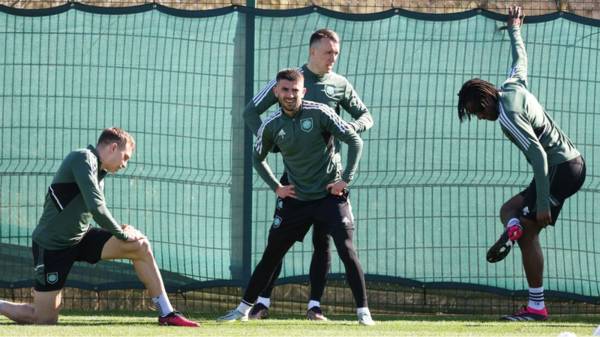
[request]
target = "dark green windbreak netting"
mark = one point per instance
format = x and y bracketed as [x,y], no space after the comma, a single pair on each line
[428,192]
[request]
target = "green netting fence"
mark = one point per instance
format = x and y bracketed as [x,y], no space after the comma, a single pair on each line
[428,191]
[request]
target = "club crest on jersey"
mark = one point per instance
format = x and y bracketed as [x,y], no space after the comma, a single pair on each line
[329,90]
[306,124]
[52,278]
[281,134]
[276,222]
[279,203]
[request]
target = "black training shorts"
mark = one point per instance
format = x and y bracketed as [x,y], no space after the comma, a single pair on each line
[293,218]
[565,179]
[51,267]
[335,213]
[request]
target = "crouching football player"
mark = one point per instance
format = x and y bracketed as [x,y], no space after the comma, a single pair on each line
[64,235]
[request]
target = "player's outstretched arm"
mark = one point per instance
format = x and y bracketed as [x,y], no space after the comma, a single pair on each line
[260,103]
[515,16]
[519,55]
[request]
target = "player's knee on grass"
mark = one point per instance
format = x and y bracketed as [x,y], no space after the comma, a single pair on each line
[46,307]
[46,320]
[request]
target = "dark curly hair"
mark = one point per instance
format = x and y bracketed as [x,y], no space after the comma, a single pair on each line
[477,91]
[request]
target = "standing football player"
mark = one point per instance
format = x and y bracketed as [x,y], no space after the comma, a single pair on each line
[317,189]
[322,86]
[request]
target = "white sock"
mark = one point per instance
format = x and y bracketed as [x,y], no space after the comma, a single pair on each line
[363,310]
[163,304]
[264,301]
[313,303]
[513,222]
[244,308]
[536,298]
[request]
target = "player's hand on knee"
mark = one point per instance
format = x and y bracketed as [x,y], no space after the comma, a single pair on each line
[337,188]
[132,233]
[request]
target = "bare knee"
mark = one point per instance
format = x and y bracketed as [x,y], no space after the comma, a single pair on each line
[504,210]
[511,208]
[531,233]
[142,249]
[49,317]
[507,211]
[46,307]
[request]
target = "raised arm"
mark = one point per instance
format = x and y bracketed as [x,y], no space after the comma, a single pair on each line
[519,55]
[260,103]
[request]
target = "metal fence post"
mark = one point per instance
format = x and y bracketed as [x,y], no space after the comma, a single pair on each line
[241,188]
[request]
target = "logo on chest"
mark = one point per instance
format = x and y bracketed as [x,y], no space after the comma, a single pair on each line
[281,134]
[329,90]
[306,124]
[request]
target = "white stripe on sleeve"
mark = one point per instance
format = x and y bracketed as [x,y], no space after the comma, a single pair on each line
[522,141]
[329,112]
[273,116]
[56,198]
[261,94]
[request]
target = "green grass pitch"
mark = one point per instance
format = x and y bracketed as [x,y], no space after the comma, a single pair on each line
[144,324]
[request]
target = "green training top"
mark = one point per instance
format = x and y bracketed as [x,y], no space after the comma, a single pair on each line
[306,145]
[528,126]
[331,89]
[73,199]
